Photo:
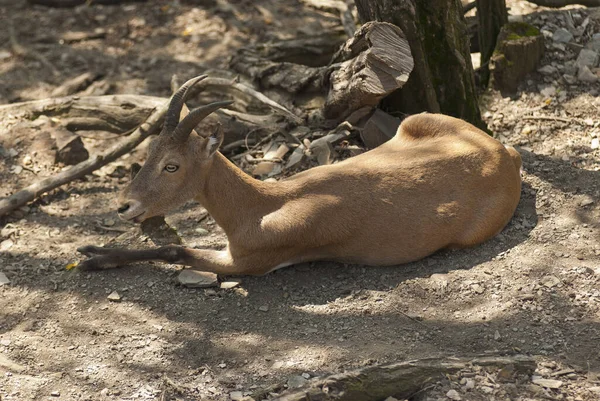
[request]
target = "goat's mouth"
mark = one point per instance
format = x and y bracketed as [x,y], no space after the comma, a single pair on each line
[138,218]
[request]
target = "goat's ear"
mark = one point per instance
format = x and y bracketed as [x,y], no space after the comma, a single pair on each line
[214,142]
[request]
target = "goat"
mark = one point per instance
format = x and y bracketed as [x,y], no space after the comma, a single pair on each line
[438,183]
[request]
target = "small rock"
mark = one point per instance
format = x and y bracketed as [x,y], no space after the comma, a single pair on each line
[236,395]
[114,297]
[586,201]
[549,91]
[547,70]
[104,392]
[225,285]
[595,143]
[550,281]
[3,279]
[570,79]
[16,169]
[469,384]
[453,395]
[55,394]
[561,35]
[6,245]
[5,342]
[222,365]
[585,75]
[296,382]
[547,383]
[497,336]
[306,376]
[5,55]
[587,58]
[197,279]
[201,231]
[477,288]
[263,308]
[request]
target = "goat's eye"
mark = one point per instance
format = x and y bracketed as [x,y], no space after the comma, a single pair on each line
[171,168]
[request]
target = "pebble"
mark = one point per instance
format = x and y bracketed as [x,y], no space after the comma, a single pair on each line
[225,285]
[453,395]
[587,58]
[114,297]
[263,308]
[236,395]
[497,336]
[296,382]
[550,281]
[6,245]
[3,279]
[595,143]
[197,279]
[547,70]
[561,35]
[201,231]
[585,75]
[55,394]
[547,383]
[5,342]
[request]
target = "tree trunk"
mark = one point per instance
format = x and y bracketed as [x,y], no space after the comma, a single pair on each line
[442,79]
[492,16]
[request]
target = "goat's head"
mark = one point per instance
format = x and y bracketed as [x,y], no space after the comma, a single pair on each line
[175,158]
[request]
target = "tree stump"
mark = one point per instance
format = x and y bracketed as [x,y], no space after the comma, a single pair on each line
[492,16]
[518,52]
[442,79]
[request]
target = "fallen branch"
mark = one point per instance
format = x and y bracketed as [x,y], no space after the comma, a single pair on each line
[223,82]
[563,3]
[400,380]
[151,126]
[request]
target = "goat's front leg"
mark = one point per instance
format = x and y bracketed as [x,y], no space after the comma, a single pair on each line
[219,262]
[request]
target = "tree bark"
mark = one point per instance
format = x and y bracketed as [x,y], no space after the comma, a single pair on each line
[492,16]
[442,80]
[400,380]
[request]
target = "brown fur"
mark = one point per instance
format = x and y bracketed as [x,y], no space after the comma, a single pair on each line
[440,182]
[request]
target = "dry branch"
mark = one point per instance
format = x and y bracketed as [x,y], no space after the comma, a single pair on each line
[563,3]
[151,126]
[113,113]
[400,380]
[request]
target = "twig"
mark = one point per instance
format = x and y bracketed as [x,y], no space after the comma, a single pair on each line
[236,144]
[553,118]
[149,127]
[251,92]
[22,51]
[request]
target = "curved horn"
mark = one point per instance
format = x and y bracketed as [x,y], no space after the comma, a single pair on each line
[190,121]
[176,103]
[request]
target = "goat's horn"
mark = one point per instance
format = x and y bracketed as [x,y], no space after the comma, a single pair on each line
[176,103]
[190,121]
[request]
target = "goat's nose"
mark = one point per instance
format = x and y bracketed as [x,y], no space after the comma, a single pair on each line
[123,208]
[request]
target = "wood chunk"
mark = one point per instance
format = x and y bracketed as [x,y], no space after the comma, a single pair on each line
[378,62]
[519,49]
[379,128]
[69,147]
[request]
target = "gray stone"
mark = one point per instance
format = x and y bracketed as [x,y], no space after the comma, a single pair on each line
[547,70]
[3,279]
[263,308]
[114,297]
[570,79]
[197,279]
[236,395]
[547,383]
[561,35]
[453,395]
[225,285]
[587,58]
[585,75]
[296,382]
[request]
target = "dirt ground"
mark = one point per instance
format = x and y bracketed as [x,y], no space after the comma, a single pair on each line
[534,289]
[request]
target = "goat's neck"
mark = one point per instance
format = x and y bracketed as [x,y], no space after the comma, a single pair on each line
[230,195]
